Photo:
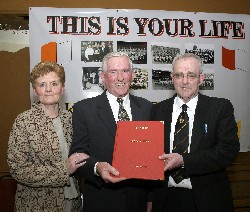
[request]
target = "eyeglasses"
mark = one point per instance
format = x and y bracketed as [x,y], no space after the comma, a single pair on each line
[190,76]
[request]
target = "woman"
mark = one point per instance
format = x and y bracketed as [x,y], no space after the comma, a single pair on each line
[38,148]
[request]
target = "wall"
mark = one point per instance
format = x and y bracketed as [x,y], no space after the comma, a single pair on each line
[213,6]
[14,92]
[14,95]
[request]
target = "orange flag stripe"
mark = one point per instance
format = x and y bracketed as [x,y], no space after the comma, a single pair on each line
[228,58]
[49,52]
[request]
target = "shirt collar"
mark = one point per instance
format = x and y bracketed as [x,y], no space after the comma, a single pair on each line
[191,104]
[112,98]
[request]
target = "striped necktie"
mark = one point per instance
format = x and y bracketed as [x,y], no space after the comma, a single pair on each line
[122,113]
[181,141]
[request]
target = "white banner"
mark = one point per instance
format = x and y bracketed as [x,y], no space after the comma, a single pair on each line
[79,38]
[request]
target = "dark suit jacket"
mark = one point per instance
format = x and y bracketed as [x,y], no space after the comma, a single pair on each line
[94,129]
[211,151]
[104,51]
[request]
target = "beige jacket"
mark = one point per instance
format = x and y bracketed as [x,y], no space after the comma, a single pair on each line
[35,161]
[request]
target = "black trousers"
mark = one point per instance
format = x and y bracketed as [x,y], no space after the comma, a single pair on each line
[179,200]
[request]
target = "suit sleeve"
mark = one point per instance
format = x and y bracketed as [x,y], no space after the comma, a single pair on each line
[80,144]
[219,147]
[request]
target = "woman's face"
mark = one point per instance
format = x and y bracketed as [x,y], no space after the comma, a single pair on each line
[48,89]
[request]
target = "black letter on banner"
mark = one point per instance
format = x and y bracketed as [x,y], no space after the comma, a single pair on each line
[66,24]
[83,21]
[237,29]
[184,28]
[167,26]
[94,25]
[151,26]
[111,26]
[123,26]
[54,23]
[225,25]
[70,109]
[203,28]
[213,33]
[141,22]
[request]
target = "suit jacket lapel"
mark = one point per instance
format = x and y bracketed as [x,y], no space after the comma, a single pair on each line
[167,118]
[200,120]
[105,112]
[135,108]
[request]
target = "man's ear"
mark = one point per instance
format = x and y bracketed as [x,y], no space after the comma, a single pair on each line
[133,75]
[172,77]
[102,74]
[201,78]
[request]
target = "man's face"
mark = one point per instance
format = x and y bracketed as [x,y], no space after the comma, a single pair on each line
[118,76]
[186,78]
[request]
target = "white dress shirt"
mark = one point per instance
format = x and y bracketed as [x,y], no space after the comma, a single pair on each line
[115,105]
[177,109]
[115,109]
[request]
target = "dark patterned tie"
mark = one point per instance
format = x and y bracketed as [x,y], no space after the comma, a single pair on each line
[181,140]
[122,113]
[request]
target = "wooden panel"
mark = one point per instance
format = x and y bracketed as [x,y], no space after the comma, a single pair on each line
[14,90]
[7,194]
[239,176]
[15,72]
[214,6]
[15,95]
[242,209]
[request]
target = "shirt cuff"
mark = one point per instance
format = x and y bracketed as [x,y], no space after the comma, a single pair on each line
[95,172]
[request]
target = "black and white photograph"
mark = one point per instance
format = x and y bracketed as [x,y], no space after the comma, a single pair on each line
[164,53]
[208,83]
[140,81]
[137,51]
[94,51]
[204,51]
[161,80]
[91,79]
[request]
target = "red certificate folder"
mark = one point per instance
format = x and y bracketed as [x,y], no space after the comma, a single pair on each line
[138,145]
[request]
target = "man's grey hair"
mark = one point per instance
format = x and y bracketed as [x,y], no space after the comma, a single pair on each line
[188,55]
[115,54]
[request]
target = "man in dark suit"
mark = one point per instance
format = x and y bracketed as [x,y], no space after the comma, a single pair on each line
[94,128]
[212,145]
[103,49]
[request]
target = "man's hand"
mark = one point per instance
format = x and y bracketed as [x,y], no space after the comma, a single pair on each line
[172,161]
[75,161]
[105,171]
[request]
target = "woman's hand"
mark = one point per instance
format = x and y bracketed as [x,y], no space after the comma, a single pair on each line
[75,161]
